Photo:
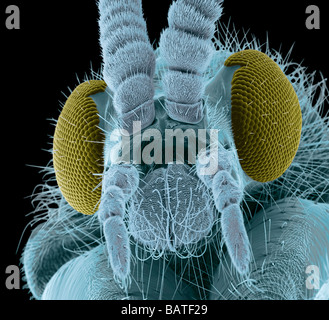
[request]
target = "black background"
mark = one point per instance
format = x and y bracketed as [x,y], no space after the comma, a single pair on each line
[57,43]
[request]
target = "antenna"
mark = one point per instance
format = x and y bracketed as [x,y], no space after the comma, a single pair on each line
[129,61]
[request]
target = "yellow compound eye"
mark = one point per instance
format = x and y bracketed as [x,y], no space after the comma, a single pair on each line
[78,149]
[266,116]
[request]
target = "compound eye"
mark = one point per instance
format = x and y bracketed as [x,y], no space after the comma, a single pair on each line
[266,116]
[78,149]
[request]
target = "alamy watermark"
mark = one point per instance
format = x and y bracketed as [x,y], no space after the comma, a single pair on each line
[13,281]
[160,150]
[313,19]
[312,281]
[12,21]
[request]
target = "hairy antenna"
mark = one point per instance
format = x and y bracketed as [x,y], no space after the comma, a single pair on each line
[129,60]
[187,49]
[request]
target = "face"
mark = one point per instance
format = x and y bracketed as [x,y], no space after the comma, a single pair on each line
[173,210]
[161,163]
